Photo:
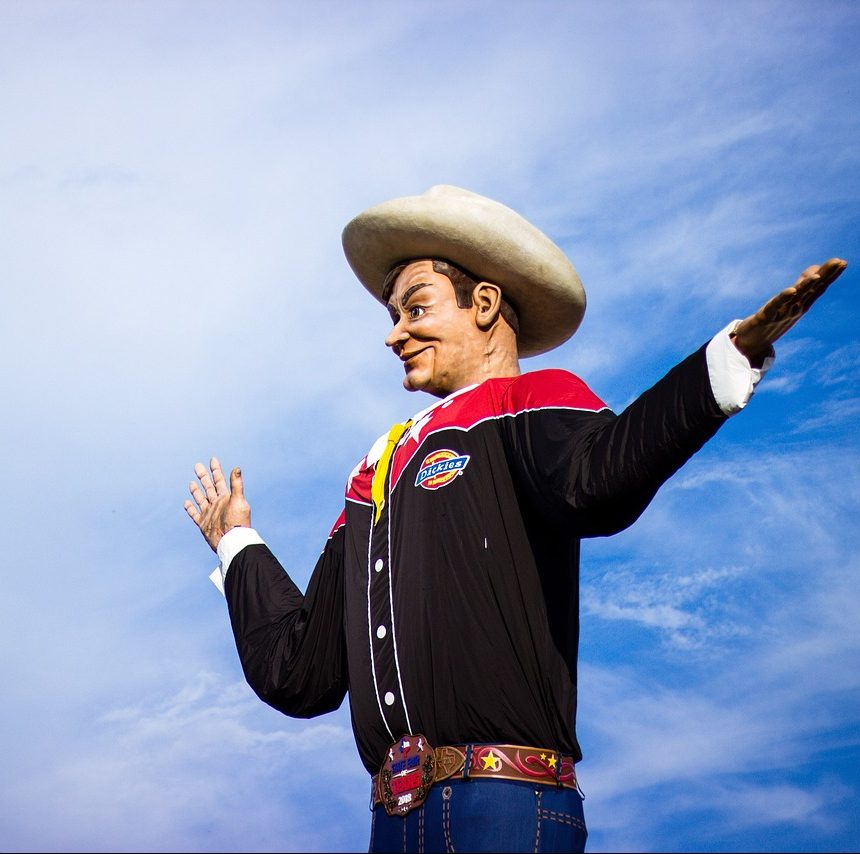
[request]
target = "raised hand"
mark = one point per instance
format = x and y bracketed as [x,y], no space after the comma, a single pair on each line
[216,508]
[755,335]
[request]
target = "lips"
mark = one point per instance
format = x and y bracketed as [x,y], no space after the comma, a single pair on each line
[407,357]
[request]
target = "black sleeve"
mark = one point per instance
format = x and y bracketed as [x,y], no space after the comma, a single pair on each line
[292,647]
[597,471]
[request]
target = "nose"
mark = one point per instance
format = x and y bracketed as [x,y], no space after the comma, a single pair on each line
[397,337]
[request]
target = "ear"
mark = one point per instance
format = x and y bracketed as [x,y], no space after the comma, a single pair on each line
[487,300]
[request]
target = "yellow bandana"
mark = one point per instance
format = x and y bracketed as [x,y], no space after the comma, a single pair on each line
[377,487]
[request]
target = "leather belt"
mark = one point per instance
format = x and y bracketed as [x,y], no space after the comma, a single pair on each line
[497,762]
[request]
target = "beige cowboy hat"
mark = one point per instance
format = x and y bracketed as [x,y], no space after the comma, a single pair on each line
[490,240]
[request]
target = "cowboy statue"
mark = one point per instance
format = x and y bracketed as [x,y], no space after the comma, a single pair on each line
[446,600]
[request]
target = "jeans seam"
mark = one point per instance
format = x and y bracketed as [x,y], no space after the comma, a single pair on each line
[421,830]
[538,812]
[446,823]
[562,817]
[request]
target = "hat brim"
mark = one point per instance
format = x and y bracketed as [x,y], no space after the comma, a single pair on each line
[485,237]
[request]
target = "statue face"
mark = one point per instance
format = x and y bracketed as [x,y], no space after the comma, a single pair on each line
[438,342]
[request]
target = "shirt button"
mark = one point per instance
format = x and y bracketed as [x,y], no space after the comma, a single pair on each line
[381,632]
[389,698]
[378,565]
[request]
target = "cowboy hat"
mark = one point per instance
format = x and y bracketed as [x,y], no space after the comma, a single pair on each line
[488,239]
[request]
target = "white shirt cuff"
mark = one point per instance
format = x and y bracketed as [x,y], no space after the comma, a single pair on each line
[230,545]
[733,379]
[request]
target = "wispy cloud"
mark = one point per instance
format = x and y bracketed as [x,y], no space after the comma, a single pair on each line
[831,413]
[676,605]
[193,771]
[758,660]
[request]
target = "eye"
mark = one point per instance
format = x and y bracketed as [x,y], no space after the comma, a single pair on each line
[415,312]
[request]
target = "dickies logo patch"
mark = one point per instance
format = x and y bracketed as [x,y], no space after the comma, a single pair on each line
[440,468]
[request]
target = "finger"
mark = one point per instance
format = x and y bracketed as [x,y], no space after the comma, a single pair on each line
[829,272]
[192,511]
[809,271]
[821,276]
[206,480]
[197,495]
[218,477]
[809,288]
[236,485]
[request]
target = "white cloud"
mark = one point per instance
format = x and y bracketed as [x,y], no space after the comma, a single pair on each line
[832,413]
[194,771]
[678,606]
[727,674]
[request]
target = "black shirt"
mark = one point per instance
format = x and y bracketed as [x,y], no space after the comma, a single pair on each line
[455,614]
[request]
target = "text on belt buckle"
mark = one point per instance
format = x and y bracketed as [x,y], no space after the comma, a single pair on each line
[406,775]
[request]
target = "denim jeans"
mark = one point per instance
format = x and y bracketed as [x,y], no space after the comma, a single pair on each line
[485,815]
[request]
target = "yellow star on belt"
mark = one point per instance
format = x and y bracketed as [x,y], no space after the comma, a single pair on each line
[551,762]
[489,761]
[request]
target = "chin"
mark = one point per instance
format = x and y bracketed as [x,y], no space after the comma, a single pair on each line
[412,383]
[419,383]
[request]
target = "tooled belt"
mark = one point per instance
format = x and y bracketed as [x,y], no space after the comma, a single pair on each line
[489,762]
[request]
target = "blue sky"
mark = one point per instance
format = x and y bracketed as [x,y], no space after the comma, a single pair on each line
[174,178]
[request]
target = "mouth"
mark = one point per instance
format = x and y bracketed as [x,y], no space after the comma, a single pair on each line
[407,357]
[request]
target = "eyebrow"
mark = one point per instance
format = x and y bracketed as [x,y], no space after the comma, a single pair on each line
[408,293]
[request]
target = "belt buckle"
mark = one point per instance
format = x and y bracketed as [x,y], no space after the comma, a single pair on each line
[406,774]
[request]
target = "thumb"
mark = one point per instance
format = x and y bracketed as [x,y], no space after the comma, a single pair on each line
[236,486]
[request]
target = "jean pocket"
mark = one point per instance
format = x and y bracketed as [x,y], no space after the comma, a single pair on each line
[502,816]
[560,823]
